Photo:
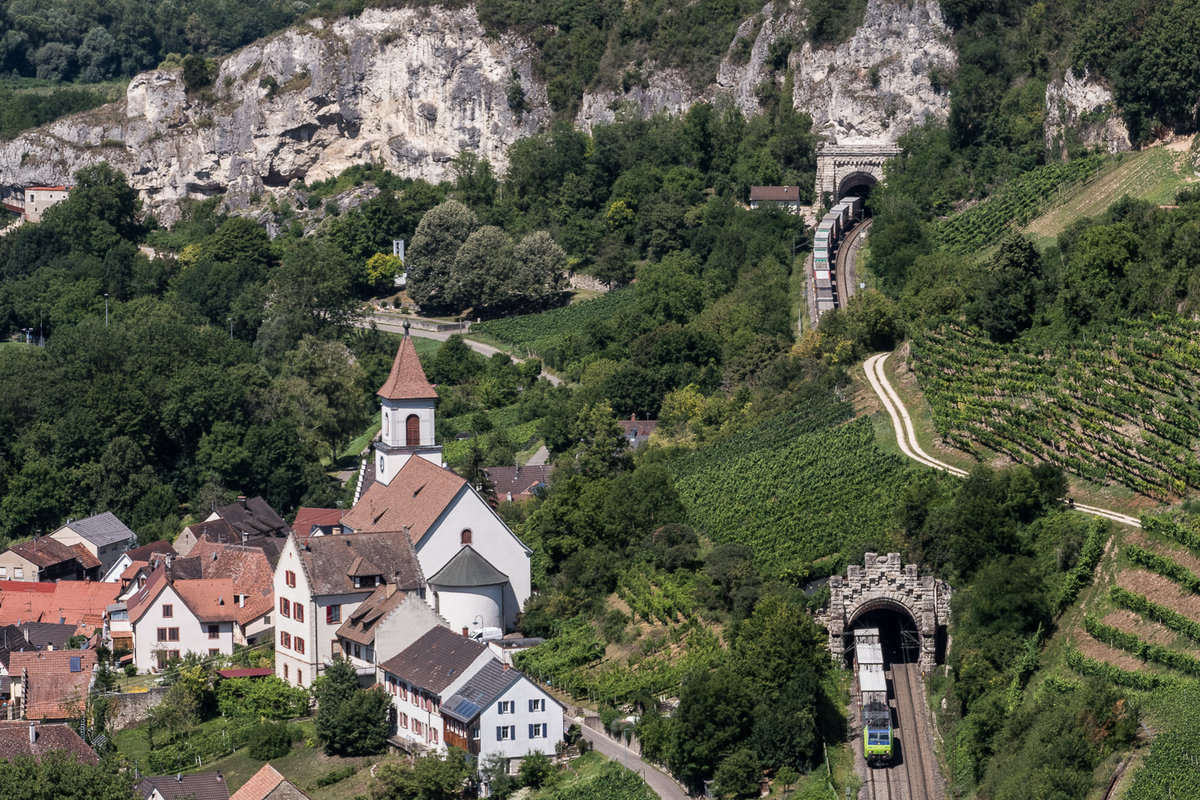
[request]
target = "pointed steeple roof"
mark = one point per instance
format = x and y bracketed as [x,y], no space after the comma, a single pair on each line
[407,380]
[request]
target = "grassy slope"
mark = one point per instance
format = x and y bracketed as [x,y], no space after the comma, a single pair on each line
[1153,175]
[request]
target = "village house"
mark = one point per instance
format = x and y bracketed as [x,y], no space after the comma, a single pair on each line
[39,198]
[141,555]
[78,603]
[172,618]
[387,622]
[479,571]
[420,677]
[250,521]
[43,559]
[102,535]
[196,786]
[518,483]
[268,784]
[320,582]
[50,685]
[785,197]
[318,522]
[499,712]
[39,739]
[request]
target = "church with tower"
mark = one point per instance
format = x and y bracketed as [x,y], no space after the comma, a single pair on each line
[476,570]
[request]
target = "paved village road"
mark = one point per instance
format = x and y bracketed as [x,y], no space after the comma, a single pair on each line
[662,785]
[391,325]
[906,436]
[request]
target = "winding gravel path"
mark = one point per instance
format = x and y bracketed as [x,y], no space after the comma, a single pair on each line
[906,436]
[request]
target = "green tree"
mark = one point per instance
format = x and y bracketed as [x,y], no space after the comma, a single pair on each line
[433,776]
[714,716]
[537,277]
[482,270]
[350,721]
[738,775]
[334,375]
[431,254]
[57,775]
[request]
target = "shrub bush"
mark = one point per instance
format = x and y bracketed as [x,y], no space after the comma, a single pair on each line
[270,740]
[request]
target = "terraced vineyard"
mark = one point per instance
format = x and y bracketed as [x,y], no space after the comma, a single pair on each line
[1143,633]
[538,333]
[1017,203]
[1125,409]
[802,486]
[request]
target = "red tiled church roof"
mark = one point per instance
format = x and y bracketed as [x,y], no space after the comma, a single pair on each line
[407,380]
[414,499]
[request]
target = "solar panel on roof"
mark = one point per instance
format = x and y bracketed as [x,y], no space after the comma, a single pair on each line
[467,709]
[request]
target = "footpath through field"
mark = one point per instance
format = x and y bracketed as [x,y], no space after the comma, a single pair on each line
[906,436]
[392,325]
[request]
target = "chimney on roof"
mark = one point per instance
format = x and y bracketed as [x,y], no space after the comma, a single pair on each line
[33,734]
[242,500]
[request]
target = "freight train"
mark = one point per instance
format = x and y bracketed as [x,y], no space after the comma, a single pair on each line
[872,686]
[831,230]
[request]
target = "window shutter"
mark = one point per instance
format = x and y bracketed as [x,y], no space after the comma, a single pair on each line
[543,730]
[531,733]
[499,732]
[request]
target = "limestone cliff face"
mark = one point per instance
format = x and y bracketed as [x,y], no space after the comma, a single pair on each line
[1083,109]
[879,84]
[871,88]
[406,88]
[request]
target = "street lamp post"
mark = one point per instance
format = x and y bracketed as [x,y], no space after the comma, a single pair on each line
[106,309]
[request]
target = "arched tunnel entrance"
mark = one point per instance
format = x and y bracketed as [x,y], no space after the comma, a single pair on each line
[856,184]
[897,633]
[911,610]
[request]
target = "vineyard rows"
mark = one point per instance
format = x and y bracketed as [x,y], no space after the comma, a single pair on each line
[804,486]
[540,332]
[572,662]
[1123,409]
[1017,203]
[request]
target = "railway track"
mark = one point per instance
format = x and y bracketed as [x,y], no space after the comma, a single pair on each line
[847,279]
[918,763]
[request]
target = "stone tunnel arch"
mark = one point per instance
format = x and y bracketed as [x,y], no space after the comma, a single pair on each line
[883,583]
[856,184]
[841,168]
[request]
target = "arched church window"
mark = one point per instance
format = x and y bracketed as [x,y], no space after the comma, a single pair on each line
[466,536]
[412,431]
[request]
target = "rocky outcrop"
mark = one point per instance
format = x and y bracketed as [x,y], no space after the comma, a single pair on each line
[888,78]
[406,88]
[1080,111]
[410,88]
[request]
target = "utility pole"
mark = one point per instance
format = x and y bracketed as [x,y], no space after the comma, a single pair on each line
[106,309]
[230,327]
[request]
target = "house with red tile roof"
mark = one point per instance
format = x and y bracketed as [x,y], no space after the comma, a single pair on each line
[78,603]
[171,618]
[51,685]
[39,739]
[318,521]
[268,784]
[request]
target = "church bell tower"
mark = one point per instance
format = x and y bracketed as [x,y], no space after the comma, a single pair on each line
[407,400]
